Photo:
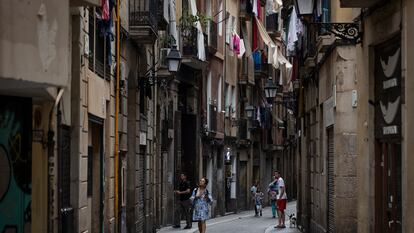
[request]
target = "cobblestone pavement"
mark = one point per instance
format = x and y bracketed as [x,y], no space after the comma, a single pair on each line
[244,222]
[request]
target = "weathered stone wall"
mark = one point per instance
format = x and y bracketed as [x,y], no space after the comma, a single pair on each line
[380,26]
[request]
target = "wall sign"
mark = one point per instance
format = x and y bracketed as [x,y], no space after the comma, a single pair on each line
[388,96]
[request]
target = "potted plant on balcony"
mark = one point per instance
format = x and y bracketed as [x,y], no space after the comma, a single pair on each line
[188,29]
[167,41]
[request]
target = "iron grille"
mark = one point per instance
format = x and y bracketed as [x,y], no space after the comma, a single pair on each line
[143,13]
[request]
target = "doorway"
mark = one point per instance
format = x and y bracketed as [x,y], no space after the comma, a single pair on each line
[388,187]
[189,147]
[388,122]
[243,186]
[331,180]
[95,189]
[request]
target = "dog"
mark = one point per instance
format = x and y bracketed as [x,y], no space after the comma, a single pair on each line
[292,221]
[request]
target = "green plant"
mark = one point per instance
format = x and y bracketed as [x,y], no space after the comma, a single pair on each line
[188,21]
[167,41]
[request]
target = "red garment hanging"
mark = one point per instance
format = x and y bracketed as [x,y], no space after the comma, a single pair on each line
[105,10]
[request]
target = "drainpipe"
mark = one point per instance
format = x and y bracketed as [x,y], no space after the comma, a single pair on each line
[116,199]
[51,154]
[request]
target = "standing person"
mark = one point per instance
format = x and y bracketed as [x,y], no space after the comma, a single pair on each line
[184,205]
[281,201]
[253,191]
[272,191]
[201,198]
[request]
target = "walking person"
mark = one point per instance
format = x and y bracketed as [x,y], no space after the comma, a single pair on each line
[184,206]
[253,191]
[272,191]
[201,199]
[259,201]
[281,201]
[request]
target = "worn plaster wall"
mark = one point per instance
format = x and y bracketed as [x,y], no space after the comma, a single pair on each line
[35,48]
[96,96]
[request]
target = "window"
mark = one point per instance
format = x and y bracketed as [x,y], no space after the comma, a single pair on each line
[99,47]
[234,102]
[229,24]
[209,98]
[228,100]
[220,18]
[219,94]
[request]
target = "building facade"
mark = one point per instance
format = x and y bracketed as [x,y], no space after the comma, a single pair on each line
[384,128]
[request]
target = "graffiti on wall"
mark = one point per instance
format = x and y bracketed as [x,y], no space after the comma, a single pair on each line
[15,165]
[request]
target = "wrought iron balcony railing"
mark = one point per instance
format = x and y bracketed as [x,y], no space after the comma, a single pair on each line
[189,41]
[143,19]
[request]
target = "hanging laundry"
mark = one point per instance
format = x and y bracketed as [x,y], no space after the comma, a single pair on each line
[255,8]
[270,53]
[319,8]
[242,49]
[257,58]
[106,26]
[273,6]
[105,10]
[292,35]
[258,116]
[231,46]
[299,26]
[236,44]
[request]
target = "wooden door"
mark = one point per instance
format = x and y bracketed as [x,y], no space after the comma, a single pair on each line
[388,187]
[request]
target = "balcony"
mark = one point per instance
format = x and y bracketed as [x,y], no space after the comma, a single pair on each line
[189,49]
[212,38]
[272,26]
[360,3]
[143,22]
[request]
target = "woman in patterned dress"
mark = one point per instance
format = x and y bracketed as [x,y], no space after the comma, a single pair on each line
[201,198]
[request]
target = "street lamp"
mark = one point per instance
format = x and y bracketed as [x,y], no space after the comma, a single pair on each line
[174,60]
[305,7]
[270,89]
[249,111]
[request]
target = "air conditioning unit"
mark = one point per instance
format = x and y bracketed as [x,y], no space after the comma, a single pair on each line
[163,57]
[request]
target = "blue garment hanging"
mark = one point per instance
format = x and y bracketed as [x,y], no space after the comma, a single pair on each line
[257,58]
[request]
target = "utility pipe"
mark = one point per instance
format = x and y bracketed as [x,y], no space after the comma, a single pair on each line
[116,199]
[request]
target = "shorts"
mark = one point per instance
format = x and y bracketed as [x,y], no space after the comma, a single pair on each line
[281,204]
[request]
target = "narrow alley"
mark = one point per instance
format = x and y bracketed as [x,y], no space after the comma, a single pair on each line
[123,116]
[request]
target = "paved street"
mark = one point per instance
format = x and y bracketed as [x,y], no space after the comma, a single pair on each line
[244,222]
